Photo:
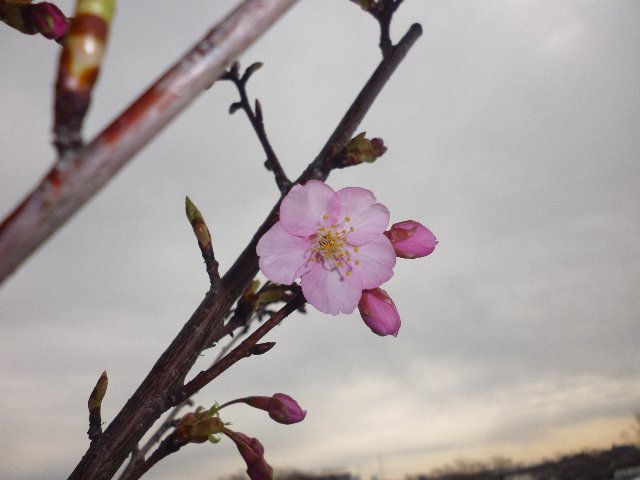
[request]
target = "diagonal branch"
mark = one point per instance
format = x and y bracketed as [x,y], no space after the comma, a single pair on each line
[243,350]
[139,454]
[156,393]
[76,178]
[327,159]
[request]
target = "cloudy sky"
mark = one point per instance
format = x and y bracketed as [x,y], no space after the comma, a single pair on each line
[512,129]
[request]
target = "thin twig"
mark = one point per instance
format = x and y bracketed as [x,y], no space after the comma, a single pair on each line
[138,455]
[245,312]
[328,158]
[255,117]
[166,447]
[70,183]
[243,350]
[153,396]
[253,306]
[236,338]
[382,11]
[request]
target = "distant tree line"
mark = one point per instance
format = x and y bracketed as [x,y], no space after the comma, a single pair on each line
[585,465]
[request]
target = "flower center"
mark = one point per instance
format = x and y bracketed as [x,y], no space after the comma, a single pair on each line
[331,245]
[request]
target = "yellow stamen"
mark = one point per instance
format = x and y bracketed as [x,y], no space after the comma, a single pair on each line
[330,245]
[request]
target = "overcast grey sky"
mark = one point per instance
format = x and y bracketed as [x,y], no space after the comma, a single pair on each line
[512,129]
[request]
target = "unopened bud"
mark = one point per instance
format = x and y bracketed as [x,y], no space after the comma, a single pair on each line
[379,312]
[199,426]
[47,19]
[44,18]
[204,430]
[284,409]
[411,239]
[361,149]
[197,223]
[252,453]
[281,407]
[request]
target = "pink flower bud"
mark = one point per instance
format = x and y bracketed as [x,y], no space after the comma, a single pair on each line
[282,408]
[46,19]
[379,312]
[411,239]
[252,453]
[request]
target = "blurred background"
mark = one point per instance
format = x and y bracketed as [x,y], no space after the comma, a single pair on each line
[512,129]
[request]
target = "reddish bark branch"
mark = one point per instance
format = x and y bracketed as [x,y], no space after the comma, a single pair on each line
[76,178]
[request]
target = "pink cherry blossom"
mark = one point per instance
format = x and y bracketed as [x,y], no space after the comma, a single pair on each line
[333,241]
[379,312]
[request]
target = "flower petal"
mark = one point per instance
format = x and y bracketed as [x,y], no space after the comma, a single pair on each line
[332,291]
[376,261]
[303,209]
[283,257]
[367,217]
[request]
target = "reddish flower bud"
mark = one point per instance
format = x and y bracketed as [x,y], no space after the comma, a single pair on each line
[379,312]
[284,409]
[46,19]
[281,407]
[411,239]
[252,453]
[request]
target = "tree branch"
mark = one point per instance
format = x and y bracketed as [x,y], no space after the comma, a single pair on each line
[76,178]
[155,395]
[255,118]
[138,455]
[327,158]
[243,350]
